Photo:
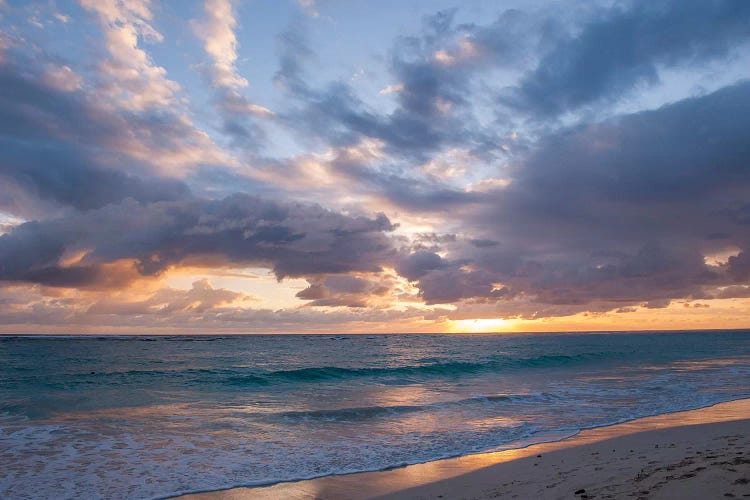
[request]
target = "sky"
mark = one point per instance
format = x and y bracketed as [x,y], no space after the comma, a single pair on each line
[227,166]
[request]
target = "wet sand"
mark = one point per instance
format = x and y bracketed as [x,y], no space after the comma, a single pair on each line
[700,454]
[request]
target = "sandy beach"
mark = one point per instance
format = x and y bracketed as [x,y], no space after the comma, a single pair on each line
[699,454]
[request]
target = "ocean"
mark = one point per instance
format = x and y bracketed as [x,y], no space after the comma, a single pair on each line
[154,416]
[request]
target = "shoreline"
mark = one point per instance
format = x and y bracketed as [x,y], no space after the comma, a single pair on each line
[481,475]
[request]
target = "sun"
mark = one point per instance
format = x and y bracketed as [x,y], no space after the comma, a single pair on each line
[480,325]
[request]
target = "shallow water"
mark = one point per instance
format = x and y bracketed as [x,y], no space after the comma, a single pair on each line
[141,417]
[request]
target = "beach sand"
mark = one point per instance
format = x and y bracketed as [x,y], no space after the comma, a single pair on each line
[700,454]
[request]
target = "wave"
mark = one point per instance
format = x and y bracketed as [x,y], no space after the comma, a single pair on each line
[247,376]
[453,368]
[348,414]
[378,411]
[447,369]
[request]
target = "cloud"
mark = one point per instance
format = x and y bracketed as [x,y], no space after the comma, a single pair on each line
[132,80]
[62,175]
[155,126]
[336,118]
[347,291]
[418,264]
[217,31]
[483,243]
[372,181]
[203,307]
[630,176]
[433,116]
[626,46]
[238,231]
[334,113]
[61,146]
[62,78]
[294,52]
[53,155]
[453,282]
[220,43]
[739,266]
[622,211]
[201,297]
[446,68]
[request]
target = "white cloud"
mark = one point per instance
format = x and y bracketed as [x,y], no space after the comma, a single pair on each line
[62,78]
[220,43]
[133,81]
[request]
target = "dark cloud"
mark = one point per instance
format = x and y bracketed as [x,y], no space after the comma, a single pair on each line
[293,239]
[431,242]
[624,47]
[239,119]
[61,174]
[739,266]
[679,171]
[32,110]
[621,211]
[344,290]
[452,283]
[409,191]
[294,50]
[61,147]
[418,264]
[484,243]
[733,291]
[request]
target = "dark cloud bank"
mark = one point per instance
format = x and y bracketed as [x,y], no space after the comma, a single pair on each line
[623,210]
[295,240]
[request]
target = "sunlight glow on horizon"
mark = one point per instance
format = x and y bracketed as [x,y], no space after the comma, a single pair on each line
[491,325]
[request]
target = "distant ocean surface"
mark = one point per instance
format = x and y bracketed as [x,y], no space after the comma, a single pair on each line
[149,417]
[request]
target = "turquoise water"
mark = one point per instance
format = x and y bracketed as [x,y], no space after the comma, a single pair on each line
[148,417]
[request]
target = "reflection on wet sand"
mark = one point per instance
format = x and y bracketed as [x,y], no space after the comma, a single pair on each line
[391,482]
